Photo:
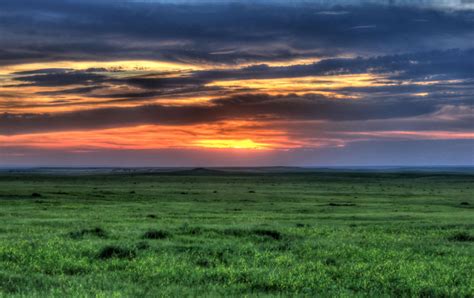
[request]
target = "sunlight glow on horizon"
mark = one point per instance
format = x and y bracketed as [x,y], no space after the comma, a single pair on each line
[232,144]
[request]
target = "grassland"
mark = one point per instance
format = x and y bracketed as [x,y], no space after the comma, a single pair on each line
[206,233]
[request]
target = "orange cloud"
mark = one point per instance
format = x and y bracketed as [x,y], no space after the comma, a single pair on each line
[228,134]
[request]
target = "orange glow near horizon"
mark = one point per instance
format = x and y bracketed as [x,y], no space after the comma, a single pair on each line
[231,134]
[238,135]
[232,144]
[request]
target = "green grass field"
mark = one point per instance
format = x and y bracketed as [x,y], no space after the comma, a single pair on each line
[325,234]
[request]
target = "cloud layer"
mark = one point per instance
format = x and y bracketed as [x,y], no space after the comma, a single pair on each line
[187,75]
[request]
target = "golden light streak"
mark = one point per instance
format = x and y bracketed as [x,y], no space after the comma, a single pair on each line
[125,65]
[421,94]
[303,84]
[146,65]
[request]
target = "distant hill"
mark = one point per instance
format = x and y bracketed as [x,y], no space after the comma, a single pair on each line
[198,171]
[468,170]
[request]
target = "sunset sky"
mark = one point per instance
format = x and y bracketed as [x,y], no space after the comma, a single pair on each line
[236,83]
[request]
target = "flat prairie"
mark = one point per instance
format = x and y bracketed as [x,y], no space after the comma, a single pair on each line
[207,232]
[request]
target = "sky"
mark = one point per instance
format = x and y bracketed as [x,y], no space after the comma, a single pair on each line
[236,83]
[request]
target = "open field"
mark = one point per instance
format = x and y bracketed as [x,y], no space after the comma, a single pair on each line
[205,232]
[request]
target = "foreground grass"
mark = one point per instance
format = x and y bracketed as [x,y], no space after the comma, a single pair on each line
[305,234]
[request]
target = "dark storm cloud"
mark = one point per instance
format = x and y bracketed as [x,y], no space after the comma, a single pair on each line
[15,55]
[60,78]
[221,32]
[260,107]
